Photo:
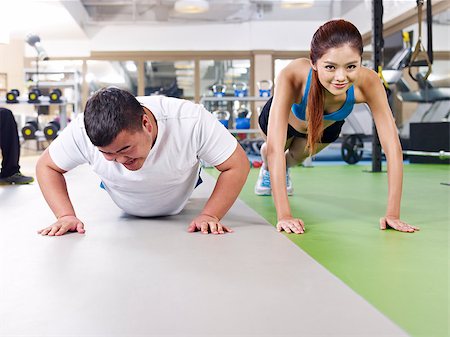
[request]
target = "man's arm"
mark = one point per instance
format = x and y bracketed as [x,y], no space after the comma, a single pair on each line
[53,186]
[234,172]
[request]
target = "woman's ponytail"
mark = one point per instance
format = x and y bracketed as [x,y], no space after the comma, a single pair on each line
[314,113]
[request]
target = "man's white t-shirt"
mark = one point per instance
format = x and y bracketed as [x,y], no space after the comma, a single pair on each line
[187,132]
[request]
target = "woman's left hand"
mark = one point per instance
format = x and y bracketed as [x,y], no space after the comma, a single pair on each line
[397,224]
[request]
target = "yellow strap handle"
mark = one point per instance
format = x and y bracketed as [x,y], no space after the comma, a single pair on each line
[380,75]
[405,36]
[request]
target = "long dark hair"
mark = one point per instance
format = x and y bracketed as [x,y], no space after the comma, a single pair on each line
[332,34]
[108,112]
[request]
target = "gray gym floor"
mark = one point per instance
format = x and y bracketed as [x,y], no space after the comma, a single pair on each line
[148,277]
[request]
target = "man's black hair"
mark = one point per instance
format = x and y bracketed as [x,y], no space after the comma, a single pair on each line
[110,111]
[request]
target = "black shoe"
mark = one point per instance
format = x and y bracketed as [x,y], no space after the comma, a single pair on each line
[16,179]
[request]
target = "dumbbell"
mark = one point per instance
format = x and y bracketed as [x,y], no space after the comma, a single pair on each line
[11,96]
[33,96]
[55,96]
[51,129]
[29,130]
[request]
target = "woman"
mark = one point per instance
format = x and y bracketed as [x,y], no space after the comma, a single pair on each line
[311,100]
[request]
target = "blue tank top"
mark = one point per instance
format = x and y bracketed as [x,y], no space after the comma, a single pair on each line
[299,110]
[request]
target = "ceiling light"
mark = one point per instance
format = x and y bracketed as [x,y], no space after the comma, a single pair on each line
[297,3]
[191,6]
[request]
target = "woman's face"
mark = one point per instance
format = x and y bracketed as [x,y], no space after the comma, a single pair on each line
[338,68]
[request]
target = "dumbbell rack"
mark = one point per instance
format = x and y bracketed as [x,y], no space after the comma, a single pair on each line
[71,79]
[43,101]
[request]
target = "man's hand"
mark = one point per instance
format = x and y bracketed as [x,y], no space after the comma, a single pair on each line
[208,224]
[397,224]
[64,224]
[291,225]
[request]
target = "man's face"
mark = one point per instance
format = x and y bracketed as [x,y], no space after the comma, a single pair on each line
[130,148]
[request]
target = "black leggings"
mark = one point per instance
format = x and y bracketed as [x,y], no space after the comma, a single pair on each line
[330,134]
[9,144]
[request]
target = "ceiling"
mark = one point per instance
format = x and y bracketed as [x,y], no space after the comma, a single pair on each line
[81,19]
[103,12]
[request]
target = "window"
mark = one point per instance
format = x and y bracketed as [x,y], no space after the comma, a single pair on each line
[121,74]
[223,72]
[170,78]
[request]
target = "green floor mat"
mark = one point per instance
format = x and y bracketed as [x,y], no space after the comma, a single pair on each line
[404,275]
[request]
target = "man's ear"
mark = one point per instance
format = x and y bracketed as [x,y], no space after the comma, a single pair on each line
[146,123]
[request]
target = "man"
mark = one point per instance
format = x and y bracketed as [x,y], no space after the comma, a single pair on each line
[9,144]
[147,152]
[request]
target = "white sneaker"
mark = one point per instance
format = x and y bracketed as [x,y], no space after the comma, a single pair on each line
[289,187]
[263,183]
[262,186]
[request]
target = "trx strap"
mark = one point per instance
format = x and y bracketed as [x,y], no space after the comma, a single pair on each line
[419,54]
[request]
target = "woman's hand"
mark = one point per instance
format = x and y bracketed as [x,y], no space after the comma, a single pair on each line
[397,224]
[291,225]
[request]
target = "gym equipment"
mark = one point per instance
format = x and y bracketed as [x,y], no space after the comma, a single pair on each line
[441,154]
[420,56]
[242,117]
[252,146]
[377,58]
[219,90]
[431,138]
[223,116]
[256,163]
[401,58]
[55,96]
[35,41]
[51,129]
[358,123]
[221,113]
[242,123]
[426,95]
[417,58]
[265,88]
[33,96]
[171,90]
[29,130]
[352,149]
[240,89]
[427,92]
[11,96]
[433,104]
